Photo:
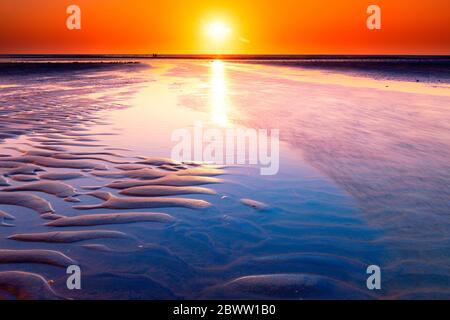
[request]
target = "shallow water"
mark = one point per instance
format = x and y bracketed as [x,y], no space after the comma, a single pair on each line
[363,181]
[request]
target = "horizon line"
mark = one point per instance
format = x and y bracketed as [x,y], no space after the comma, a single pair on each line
[218,56]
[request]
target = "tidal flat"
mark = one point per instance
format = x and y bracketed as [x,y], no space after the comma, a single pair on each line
[87,178]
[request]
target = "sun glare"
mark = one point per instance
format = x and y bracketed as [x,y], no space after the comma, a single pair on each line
[218,31]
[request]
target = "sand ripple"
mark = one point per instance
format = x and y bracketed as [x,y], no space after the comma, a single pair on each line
[67,236]
[26,200]
[113,202]
[170,180]
[155,191]
[4,216]
[59,189]
[26,286]
[50,257]
[111,218]
[284,286]
[57,163]
[61,176]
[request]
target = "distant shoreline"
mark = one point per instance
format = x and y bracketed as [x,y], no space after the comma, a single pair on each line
[430,69]
[36,67]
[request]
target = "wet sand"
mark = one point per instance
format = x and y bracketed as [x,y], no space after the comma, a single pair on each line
[86,179]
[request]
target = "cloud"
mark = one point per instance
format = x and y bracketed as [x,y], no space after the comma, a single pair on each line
[244,40]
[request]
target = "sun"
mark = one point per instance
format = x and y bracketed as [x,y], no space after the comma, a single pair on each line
[217,31]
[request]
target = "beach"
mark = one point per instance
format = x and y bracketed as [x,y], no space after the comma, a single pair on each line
[87,179]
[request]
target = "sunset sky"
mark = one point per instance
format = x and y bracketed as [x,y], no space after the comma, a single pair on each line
[244,27]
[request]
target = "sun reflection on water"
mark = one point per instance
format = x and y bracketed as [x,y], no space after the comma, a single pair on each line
[219,95]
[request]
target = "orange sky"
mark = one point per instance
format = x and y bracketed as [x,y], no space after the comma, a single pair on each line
[258,26]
